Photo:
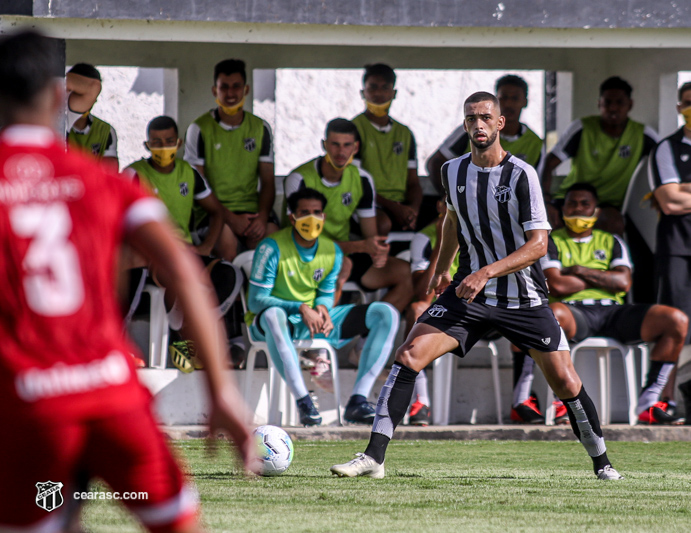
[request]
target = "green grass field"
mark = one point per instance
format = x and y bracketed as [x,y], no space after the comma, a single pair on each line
[442,486]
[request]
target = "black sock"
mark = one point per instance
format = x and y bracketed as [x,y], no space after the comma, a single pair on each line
[391,408]
[586,426]
[518,359]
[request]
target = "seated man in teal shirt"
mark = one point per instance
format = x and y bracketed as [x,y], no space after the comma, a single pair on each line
[292,284]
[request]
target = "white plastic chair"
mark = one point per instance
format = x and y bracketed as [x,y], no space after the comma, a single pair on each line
[158,327]
[444,370]
[603,347]
[278,391]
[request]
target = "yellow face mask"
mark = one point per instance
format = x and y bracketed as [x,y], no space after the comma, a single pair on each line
[163,156]
[378,110]
[686,113]
[330,162]
[580,224]
[309,227]
[232,110]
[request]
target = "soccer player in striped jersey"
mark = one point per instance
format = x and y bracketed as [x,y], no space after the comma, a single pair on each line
[496,215]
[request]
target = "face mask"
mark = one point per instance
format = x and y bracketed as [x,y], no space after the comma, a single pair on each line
[233,110]
[580,224]
[330,162]
[378,110]
[309,227]
[686,112]
[163,156]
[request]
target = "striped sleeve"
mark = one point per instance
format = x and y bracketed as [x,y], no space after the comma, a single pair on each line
[532,213]
[366,207]
[420,252]
[662,168]
[551,259]
[620,254]
[194,145]
[567,146]
[456,144]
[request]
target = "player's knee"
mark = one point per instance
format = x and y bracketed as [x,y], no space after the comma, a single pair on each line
[382,315]
[275,316]
[383,224]
[678,322]
[406,356]
[346,269]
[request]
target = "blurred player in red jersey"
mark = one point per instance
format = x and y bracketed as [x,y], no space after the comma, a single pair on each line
[71,401]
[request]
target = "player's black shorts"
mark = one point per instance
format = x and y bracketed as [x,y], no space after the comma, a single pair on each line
[530,328]
[621,322]
[361,263]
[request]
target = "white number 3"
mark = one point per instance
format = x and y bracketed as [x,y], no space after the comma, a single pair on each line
[53,279]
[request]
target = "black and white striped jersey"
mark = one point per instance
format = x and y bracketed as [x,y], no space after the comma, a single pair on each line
[495,207]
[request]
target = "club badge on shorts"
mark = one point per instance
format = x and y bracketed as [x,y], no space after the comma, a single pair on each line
[437,311]
[49,496]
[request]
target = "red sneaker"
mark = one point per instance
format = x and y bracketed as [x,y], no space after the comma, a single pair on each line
[527,413]
[419,414]
[657,415]
[561,416]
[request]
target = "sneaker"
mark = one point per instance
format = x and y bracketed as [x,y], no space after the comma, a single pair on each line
[179,354]
[362,465]
[309,416]
[657,415]
[527,413]
[561,415]
[608,474]
[419,414]
[360,413]
[685,389]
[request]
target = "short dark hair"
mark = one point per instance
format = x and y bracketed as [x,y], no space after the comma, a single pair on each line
[230,66]
[305,194]
[29,62]
[381,70]
[582,186]
[341,125]
[615,82]
[86,70]
[481,96]
[513,81]
[161,123]
[685,87]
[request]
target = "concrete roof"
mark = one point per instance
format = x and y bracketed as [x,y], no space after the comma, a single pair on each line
[553,14]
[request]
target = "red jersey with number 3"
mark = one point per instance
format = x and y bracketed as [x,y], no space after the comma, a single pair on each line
[62,218]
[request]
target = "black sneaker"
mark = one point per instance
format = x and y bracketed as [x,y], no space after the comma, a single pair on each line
[685,389]
[419,414]
[309,416]
[359,413]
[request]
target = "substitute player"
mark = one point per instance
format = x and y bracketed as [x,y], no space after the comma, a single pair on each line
[497,217]
[71,399]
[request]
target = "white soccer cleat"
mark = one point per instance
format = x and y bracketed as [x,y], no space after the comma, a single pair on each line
[608,474]
[362,465]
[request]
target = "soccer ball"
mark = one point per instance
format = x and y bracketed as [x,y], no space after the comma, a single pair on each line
[275,450]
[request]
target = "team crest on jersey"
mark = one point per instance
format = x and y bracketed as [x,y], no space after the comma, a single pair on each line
[546,341]
[398,148]
[49,496]
[95,149]
[347,198]
[625,151]
[318,274]
[184,189]
[684,157]
[600,255]
[437,311]
[502,194]
[250,144]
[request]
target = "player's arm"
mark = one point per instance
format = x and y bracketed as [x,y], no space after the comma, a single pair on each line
[325,293]
[674,198]
[433,165]
[372,244]
[413,192]
[551,163]
[181,274]
[617,279]
[217,214]
[447,251]
[82,92]
[422,275]
[562,285]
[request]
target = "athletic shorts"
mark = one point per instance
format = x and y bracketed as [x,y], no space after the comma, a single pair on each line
[530,328]
[361,263]
[126,450]
[621,322]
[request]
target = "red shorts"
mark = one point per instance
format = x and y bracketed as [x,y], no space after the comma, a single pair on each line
[126,450]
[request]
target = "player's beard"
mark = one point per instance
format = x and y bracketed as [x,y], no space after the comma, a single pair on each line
[485,144]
